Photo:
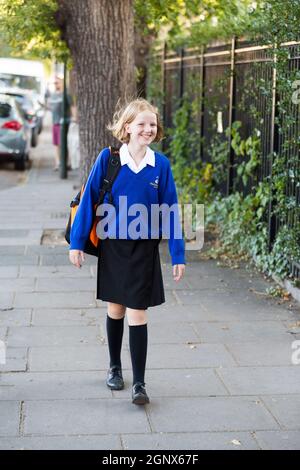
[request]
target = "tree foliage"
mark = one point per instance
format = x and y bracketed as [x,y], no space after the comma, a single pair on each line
[30,28]
[194,22]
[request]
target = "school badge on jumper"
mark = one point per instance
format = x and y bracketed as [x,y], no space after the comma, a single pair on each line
[155,184]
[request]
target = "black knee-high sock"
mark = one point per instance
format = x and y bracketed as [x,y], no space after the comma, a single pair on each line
[114,330]
[138,341]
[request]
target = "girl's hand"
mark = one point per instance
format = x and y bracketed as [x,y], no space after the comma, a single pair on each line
[76,257]
[178,271]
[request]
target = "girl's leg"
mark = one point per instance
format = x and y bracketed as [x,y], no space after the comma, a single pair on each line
[116,311]
[115,328]
[138,340]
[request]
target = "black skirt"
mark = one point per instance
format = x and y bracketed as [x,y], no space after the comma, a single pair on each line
[129,273]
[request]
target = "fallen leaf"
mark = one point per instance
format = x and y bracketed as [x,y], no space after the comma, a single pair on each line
[294,325]
[236,442]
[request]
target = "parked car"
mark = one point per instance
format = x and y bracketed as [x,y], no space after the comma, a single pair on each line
[28,109]
[15,134]
[39,108]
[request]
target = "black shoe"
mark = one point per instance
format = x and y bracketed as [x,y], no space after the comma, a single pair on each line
[139,394]
[114,378]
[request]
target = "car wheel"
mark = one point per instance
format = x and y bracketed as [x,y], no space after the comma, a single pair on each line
[20,164]
[34,139]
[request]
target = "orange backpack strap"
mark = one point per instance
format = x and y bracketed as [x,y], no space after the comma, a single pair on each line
[113,168]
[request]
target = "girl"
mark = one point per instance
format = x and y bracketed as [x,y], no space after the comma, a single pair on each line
[129,274]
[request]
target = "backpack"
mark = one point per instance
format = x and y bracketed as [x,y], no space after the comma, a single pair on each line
[113,168]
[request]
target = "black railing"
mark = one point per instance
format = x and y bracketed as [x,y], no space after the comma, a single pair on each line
[231,81]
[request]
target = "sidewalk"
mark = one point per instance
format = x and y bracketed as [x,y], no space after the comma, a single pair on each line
[219,367]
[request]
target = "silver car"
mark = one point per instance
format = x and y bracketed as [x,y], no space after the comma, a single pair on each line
[27,108]
[15,134]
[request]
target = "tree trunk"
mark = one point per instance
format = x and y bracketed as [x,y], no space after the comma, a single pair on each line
[100,36]
[143,39]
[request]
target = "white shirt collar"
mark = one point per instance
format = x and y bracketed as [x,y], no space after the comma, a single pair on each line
[126,158]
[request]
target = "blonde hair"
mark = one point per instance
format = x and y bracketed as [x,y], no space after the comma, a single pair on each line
[127,113]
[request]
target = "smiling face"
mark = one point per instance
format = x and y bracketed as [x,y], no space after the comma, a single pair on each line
[143,129]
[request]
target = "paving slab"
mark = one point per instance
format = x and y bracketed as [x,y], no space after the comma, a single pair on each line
[34,386]
[63,259]
[161,356]
[54,272]
[11,250]
[246,310]
[165,314]
[224,332]
[97,416]
[261,380]
[9,271]
[169,283]
[74,358]
[184,383]
[68,284]
[13,233]
[178,332]
[210,414]
[193,296]
[41,336]
[17,285]
[97,442]
[237,301]
[17,260]
[10,418]
[15,317]
[238,440]
[285,409]
[31,237]
[59,300]
[199,313]
[3,333]
[47,249]
[278,440]
[6,301]
[204,282]
[68,317]
[231,279]
[16,360]
[272,352]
